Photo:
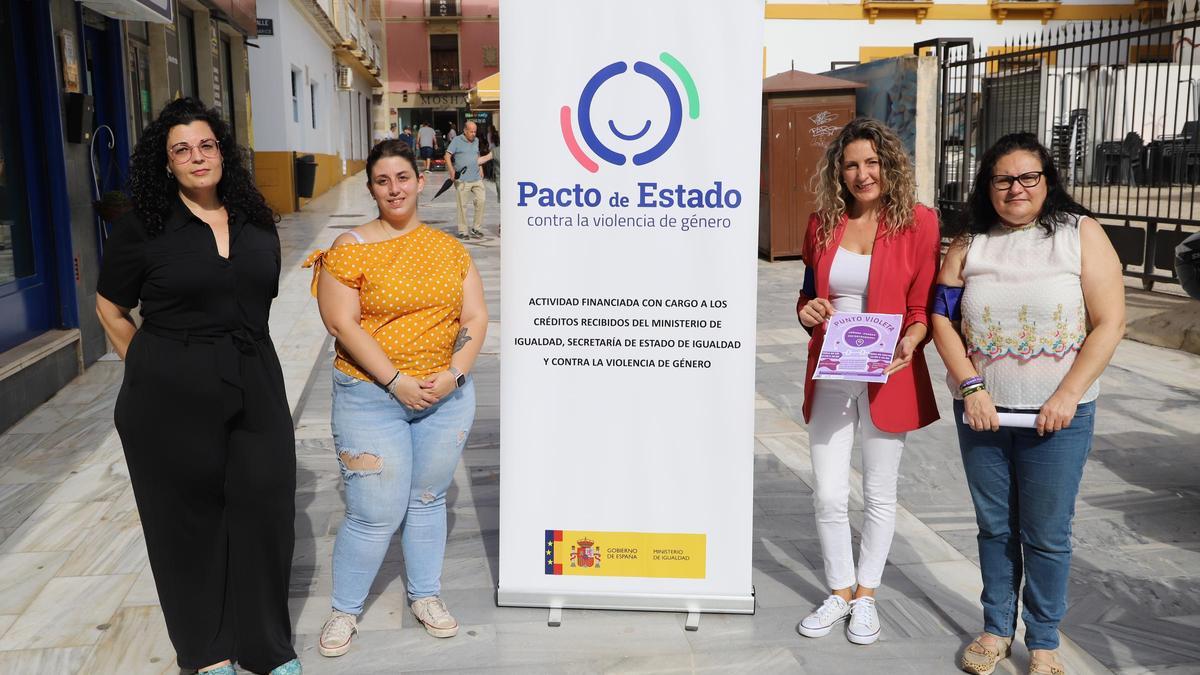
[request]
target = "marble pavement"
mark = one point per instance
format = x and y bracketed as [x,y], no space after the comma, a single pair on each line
[76,595]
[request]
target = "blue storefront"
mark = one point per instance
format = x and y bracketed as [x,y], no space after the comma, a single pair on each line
[64,142]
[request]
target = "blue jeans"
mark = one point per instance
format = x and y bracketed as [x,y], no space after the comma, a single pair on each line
[1024,489]
[419,452]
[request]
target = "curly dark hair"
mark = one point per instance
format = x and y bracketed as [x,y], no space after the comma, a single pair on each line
[153,191]
[980,216]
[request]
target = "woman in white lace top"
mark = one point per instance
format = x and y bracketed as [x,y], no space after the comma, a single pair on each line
[1029,307]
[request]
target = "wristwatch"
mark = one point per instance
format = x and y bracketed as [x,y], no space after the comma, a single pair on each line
[460,378]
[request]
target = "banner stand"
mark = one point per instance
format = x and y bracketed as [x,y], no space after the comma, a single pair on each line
[692,605]
[630,280]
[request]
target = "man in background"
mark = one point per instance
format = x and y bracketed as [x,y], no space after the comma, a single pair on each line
[407,137]
[425,141]
[463,162]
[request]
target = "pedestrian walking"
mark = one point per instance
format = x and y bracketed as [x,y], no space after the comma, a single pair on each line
[426,138]
[202,413]
[406,306]
[463,161]
[451,133]
[1030,307]
[869,248]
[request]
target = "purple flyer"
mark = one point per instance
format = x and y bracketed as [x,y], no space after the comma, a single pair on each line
[858,347]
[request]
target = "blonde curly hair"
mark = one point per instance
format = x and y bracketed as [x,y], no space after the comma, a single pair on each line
[898,184]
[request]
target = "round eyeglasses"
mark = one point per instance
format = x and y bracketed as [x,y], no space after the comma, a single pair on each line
[181,153]
[1028,179]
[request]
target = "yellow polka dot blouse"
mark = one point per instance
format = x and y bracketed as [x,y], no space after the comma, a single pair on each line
[410,294]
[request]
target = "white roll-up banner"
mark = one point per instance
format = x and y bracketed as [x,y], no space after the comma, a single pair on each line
[631,134]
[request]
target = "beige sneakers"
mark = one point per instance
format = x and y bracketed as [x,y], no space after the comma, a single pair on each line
[337,633]
[432,614]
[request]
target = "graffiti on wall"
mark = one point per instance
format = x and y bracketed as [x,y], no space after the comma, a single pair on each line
[890,95]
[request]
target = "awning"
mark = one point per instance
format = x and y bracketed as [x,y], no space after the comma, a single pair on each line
[154,11]
[486,93]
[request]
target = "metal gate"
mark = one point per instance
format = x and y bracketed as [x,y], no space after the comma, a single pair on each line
[1116,102]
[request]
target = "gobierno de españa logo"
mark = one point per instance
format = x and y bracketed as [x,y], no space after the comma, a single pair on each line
[584,114]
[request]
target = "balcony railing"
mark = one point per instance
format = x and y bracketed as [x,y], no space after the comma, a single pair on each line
[356,37]
[444,79]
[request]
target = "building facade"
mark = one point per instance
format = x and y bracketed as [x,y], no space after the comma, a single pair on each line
[315,78]
[437,50]
[78,82]
[819,37]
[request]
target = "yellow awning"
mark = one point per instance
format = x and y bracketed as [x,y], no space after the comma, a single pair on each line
[486,93]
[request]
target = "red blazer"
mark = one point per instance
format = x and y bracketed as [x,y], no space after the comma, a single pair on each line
[903,269]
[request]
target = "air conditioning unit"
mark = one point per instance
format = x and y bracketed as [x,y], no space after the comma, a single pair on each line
[345,78]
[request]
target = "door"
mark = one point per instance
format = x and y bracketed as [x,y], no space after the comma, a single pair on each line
[800,130]
[105,82]
[27,296]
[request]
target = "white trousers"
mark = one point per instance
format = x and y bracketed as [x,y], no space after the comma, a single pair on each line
[839,409]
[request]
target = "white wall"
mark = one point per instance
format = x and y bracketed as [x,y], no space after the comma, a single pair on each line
[297,43]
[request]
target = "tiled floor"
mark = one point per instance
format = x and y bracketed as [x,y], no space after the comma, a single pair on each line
[76,594]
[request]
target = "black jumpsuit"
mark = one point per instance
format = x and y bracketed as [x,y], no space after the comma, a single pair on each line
[207,433]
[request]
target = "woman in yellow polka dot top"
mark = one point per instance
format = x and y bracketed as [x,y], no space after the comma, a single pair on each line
[406,306]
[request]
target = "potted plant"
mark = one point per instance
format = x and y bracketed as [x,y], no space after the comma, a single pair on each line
[112,205]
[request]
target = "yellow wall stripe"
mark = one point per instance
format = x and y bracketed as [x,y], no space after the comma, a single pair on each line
[948,12]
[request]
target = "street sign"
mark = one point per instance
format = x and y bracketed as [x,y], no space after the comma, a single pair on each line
[266,27]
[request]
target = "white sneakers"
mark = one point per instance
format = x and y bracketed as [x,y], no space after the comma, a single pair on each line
[864,622]
[432,614]
[863,627]
[818,624]
[337,634]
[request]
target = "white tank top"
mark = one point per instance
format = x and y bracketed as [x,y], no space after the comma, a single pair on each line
[848,277]
[1023,315]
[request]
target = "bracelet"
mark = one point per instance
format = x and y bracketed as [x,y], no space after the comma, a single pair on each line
[970,382]
[971,390]
[391,385]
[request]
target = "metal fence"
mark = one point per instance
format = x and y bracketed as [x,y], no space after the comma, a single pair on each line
[1116,102]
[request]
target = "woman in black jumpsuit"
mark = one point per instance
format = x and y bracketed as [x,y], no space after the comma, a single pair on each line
[202,412]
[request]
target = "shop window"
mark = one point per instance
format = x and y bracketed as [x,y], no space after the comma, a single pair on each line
[16,244]
[186,29]
[296,95]
[227,97]
[139,84]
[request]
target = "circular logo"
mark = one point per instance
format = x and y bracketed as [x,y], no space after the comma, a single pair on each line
[588,132]
[861,336]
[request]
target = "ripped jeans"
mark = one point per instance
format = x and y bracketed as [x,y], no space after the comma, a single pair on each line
[406,463]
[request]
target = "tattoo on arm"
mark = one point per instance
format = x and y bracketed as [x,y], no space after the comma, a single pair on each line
[461,341]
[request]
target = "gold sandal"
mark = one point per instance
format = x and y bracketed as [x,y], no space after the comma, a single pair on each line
[1046,665]
[980,659]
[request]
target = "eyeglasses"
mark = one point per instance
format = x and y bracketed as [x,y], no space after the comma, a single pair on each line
[1028,179]
[181,153]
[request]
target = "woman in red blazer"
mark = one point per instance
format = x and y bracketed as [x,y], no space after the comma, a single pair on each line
[869,248]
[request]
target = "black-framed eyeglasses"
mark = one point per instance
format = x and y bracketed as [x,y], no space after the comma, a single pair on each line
[1028,179]
[181,153]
